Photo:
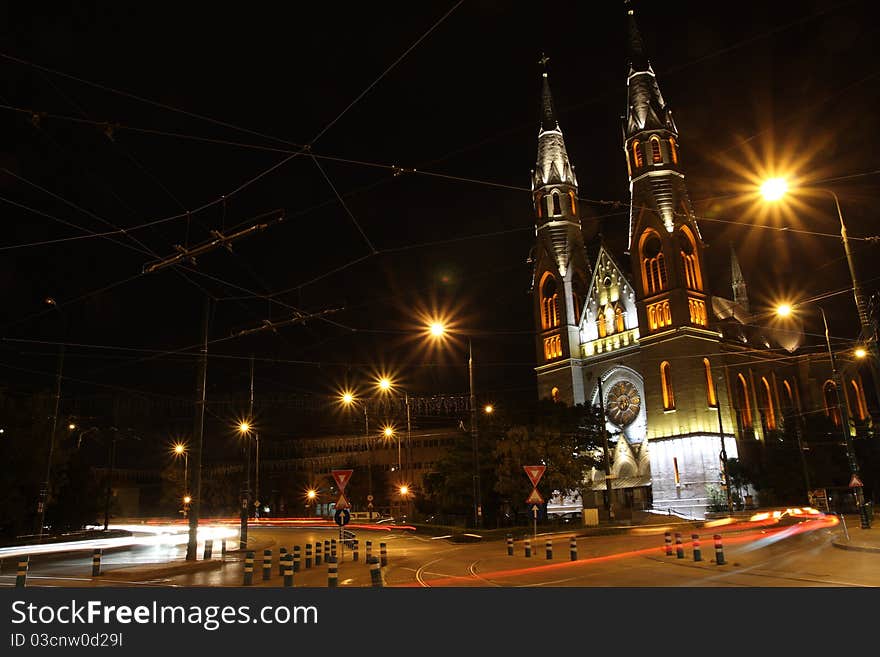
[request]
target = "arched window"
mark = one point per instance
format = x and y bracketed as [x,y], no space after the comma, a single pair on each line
[638,157]
[711,397]
[554,394]
[601,324]
[557,209]
[673,150]
[829,396]
[788,393]
[572,197]
[653,263]
[538,205]
[656,155]
[745,406]
[618,320]
[549,200]
[859,394]
[769,410]
[549,303]
[690,262]
[666,385]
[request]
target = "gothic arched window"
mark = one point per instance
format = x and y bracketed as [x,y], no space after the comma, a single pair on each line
[666,386]
[711,397]
[557,209]
[549,303]
[788,393]
[690,262]
[745,406]
[859,393]
[538,205]
[573,206]
[638,157]
[618,320]
[653,263]
[769,410]
[656,155]
[673,150]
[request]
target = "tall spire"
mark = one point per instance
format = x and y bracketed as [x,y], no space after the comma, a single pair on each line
[637,58]
[646,109]
[740,291]
[553,166]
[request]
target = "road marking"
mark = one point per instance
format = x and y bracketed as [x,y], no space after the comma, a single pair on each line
[422,570]
[482,579]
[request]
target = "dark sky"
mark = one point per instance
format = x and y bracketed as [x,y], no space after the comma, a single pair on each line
[791,85]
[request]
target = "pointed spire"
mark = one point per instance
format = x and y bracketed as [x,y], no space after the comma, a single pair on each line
[552,166]
[638,60]
[548,116]
[646,109]
[740,291]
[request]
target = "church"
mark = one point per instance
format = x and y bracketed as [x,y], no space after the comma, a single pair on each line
[685,377]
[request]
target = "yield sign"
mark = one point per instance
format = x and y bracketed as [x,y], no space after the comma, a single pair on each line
[342,503]
[342,478]
[535,497]
[855,482]
[535,472]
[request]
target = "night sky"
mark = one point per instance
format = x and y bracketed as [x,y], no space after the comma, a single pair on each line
[782,87]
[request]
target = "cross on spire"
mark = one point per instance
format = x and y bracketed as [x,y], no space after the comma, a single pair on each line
[543,61]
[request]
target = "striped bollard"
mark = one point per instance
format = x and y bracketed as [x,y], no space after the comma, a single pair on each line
[383,554]
[679,548]
[333,547]
[509,545]
[719,550]
[96,563]
[375,572]
[222,547]
[326,551]
[209,549]
[369,552]
[354,550]
[528,546]
[21,574]
[695,540]
[267,564]
[296,556]
[249,568]
[317,553]
[308,555]
[548,548]
[667,540]
[573,549]
[332,572]
[282,557]
[287,563]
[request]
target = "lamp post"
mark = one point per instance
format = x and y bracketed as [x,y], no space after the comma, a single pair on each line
[724,450]
[785,310]
[44,488]
[349,399]
[179,450]
[385,384]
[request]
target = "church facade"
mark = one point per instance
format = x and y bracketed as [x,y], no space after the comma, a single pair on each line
[632,324]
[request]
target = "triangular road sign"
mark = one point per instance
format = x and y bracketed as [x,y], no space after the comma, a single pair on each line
[855,482]
[535,472]
[535,497]
[342,478]
[342,503]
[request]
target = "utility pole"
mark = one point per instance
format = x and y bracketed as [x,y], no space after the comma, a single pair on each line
[201,395]
[478,505]
[44,489]
[109,491]
[724,452]
[246,491]
[609,504]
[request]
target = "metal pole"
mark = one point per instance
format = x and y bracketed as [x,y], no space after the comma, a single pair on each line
[369,462]
[724,454]
[844,423]
[608,502]
[797,428]
[257,472]
[201,394]
[246,493]
[112,460]
[478,505]
[44,489]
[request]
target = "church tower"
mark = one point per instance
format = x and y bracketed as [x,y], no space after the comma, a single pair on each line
[681,357]
[559,261]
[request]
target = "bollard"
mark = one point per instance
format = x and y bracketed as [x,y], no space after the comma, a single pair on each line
[375,572]
[383,554]
[679,548]
[296,556]
[333,547]
[667,540]
[695,540]
[573,549]
[249,568]
[509,545]
[528,546]
[317,553]
[548,547]
[96,562]
[332,572]
[209,549]
[21,575]
[308,555]
[354,550]
[719,550]
[267,564]
[287,563]
[369,551]
[222,547]
[282,557]
[326,551]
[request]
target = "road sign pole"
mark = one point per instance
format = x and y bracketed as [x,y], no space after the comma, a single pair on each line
[535,521]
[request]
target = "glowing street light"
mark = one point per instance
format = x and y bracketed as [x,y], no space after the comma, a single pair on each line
[784,309]
[437,329]
[244,427]
[404,490]
[774,189]
[860,352]
[488,409]
[187,499]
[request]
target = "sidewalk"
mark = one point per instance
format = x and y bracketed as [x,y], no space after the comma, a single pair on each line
[862,540]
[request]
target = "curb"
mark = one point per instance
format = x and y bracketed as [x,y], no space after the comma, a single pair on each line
[133,574]
[855,548]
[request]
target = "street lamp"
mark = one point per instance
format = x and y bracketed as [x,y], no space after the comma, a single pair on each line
[437,330]
[348,398]
[44,489]
[844,418]
[385,384]
[179,450]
